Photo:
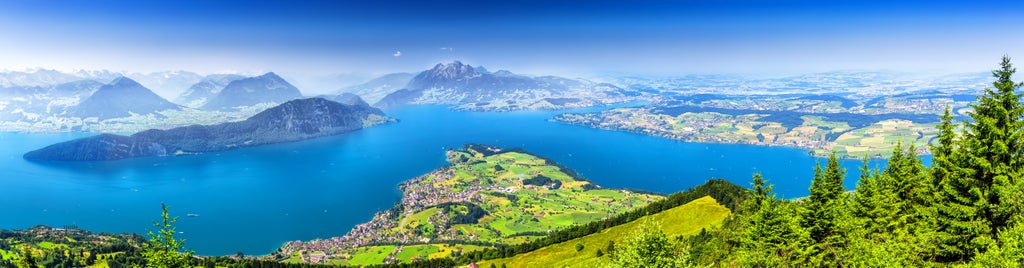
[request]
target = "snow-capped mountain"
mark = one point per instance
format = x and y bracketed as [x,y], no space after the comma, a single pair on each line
[476,88]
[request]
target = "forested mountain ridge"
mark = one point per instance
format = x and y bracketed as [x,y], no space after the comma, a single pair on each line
[291,121]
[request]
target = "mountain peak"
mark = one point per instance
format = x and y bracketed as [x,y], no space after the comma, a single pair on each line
[254,90]
[121,98]
[270,75]
[453,70]
[122,81]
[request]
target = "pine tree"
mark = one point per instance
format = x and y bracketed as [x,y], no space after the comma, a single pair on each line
[993,144]
[1009,252]
[823,209]
[904,179]
[891,216]
[163,250]
[942,153]
[870,204]
[771,238]
[978,190]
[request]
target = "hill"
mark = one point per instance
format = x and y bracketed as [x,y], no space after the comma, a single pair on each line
[685,220]
[121,98]
[291,121]
[250,91]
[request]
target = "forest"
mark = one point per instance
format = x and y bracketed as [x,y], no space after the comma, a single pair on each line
[966,209]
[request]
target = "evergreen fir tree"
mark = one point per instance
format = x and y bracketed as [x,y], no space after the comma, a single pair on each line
[978,190]
[770,239]
[942,153]
[993,144]
[823,209]
[870,205]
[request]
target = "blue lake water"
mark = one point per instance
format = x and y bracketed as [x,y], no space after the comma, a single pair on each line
[254,199]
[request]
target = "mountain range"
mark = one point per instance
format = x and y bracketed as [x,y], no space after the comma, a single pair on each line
[291,121]
[90,96]
[33,102]
[199,93]
[49,100]
[475,88]
[267,88]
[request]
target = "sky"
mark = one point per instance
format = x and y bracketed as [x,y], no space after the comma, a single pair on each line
[574,38]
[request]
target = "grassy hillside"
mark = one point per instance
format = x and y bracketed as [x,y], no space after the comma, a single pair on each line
[687,219]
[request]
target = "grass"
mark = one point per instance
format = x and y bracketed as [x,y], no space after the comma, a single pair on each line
[369,255]
[48,245]
[376,254]
[7,255]
[416,251]
[419,218]
[433,251]
[686,220]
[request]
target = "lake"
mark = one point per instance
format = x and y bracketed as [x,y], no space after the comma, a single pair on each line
[253,200]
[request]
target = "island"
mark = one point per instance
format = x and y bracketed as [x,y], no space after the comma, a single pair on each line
[487,197]
[291,121]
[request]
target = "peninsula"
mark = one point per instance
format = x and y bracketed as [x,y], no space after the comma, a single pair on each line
[291,121]
[487,197]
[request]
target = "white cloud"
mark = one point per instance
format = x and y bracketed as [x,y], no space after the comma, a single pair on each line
[397,53]
[449,49]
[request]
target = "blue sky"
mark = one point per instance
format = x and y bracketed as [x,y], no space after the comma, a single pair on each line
[538,37]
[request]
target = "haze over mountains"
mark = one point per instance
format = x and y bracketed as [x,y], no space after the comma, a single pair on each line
[49,100]
[475,88]
[52,101]
[121,98]
[294,120]
[91,99]
[253,90]
[199,93]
